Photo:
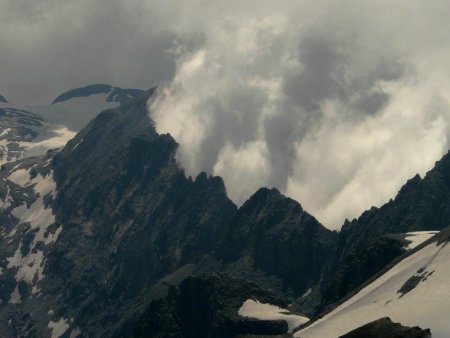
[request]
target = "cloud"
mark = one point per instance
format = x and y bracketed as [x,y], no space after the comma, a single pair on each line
[336,103]
[50,46]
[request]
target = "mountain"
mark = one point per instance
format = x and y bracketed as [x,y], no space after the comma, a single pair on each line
[2,99]
[114,94]
[126,215]
[412,291]
[99,230]
[101,227]
[32,130]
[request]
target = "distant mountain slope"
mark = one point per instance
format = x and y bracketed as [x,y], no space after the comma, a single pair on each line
[115,94]
[32,130]
[415,291]
[2,99]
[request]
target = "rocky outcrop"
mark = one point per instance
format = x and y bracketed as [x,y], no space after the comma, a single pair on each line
[385,328]
[207,306]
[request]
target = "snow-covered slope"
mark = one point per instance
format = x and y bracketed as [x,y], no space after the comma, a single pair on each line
[32,130]
[416,291]
[416,238]
[254,309]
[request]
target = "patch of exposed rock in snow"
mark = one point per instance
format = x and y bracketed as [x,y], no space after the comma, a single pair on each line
[254,309]
[414,292]
[418,237]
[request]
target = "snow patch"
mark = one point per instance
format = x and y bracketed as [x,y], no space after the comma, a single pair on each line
[307,293]
[61,137]
[5,132]
[20,177]
[31,266]
[58,328]
[254,309]
[16,298]
[75,333]
[418,237]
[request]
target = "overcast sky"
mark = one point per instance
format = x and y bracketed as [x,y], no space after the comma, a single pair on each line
[336,103]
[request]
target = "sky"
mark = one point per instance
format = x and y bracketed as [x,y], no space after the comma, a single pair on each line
[335,103]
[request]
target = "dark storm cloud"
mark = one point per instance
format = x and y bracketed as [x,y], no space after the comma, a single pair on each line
[336,103]
[48,46]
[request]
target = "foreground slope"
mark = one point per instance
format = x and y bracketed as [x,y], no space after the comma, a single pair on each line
[413,292]
[365,245]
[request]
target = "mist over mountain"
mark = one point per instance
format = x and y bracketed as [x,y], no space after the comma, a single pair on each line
[99,235]
[223,169]
[327,102]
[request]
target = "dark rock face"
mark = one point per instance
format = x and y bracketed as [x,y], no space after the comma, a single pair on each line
[131,218]
[2,99]
[356,268]
[413,281]
[280,239]
[115,94]
[385,328]
[130,215]
[207,306]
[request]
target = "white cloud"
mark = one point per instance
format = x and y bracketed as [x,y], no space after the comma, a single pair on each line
[335,103]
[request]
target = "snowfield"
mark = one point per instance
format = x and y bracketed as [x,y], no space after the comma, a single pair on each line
[426,305]
[55,124]
[254,309]
[418,237]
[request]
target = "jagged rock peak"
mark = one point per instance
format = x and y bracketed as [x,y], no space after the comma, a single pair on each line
[267,196]
[116,94]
